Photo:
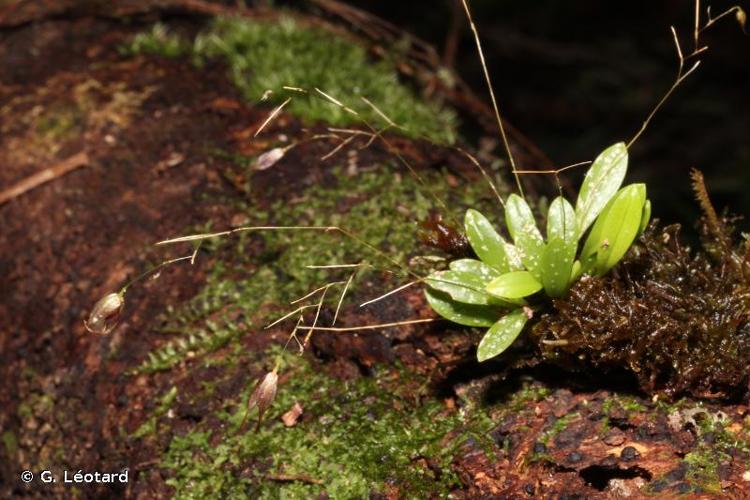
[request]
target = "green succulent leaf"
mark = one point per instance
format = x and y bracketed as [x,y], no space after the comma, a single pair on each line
[576,272]
[646,217]
[514,257]
[461,286]
[501,335]
[561,220]
[614,230]
[557,266]
[525,234]
[602,181]
[477,267]
[463,314]
[514,285]
[487,244]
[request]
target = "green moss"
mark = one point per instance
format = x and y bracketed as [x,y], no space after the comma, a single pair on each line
[60,123]
[35,405]
[529,393]
[627,403]
[147,428]
[703,469]
[11,443]
[24,411]
[355,438]
[150,426]
[385,208]
[158,41]
[631,404]
[265,56]
[722,446]
[557,427]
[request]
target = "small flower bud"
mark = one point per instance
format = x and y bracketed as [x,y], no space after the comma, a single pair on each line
[263,395]
[269,158]
[741,17]
[529,312]
[106,314]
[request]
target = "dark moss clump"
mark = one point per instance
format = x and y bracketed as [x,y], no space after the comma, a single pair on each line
[679,320]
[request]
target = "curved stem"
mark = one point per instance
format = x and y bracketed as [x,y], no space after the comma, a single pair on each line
[500,125]
[153,270]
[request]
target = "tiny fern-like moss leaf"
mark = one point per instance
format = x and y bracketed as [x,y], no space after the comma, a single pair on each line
[561,220]
[486,243]
[463,314]
[501,335]
[614,230]
[479,268]
[461,286]
[514,285]
[557,266]
[525,234]
[602,181]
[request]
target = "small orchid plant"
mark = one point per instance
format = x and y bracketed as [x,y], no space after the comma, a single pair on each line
[493,290]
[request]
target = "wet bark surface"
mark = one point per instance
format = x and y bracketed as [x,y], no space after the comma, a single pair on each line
[149,127]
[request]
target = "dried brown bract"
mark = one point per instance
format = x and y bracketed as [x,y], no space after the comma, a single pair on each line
[291,417]
[436,232]
[678,320]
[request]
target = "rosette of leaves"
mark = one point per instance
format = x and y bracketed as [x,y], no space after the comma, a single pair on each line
[497,290]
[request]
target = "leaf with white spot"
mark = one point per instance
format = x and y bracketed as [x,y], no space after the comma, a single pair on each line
[514,257]
[514,285]
[561,220]
[525,234]
[476,267]
[463,314]
[614,230]
[462,286]
[602,181]
[560,251]
[501,335]
[486,243]
[557,266]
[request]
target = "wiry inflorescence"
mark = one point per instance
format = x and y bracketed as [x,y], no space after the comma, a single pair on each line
[679,320]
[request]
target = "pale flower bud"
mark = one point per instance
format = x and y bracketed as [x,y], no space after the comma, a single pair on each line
[269,158]
[105,314]
[263,395]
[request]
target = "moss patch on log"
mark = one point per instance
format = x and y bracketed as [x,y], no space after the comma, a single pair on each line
[266,56]
[354,438]
[258,275]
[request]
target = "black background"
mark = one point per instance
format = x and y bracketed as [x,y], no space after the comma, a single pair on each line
[578,76]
